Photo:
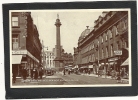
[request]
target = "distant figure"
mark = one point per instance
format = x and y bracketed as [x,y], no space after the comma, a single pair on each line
[41,73]
[118,77]
[32,73]
[113,74]
[35,74]
[89,71]
[122,73]
[14,73]
[64,72]
[69,71]
[24,74]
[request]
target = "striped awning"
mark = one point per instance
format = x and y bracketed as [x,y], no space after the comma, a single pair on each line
[125,63]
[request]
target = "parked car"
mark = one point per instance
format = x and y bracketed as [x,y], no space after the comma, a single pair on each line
[49,72]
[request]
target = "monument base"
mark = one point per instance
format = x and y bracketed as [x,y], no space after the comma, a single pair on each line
[59,66]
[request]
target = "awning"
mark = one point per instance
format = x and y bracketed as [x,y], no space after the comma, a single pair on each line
[16,59]
[125,62]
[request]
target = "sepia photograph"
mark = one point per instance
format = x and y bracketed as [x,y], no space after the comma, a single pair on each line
[70,48]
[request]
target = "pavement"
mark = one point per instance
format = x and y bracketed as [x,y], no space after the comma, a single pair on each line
[72,79]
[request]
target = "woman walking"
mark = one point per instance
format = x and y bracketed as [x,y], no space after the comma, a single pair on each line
[24,74]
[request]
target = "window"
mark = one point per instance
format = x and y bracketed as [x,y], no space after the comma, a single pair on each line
[126,44]
[110,34]
[93,57]
[117,46]
[116,32]
[102,53]
[50,62]
[106,37]
[47,61]
[89,57]
[111,50]
[15,21]
[98,43]
[106,51]
[102,39]
[15,43]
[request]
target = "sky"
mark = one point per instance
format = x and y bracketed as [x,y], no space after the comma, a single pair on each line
[73,22]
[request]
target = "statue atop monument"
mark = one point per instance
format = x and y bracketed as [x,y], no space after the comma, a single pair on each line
[57,16]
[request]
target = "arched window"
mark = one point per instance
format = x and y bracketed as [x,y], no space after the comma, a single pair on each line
[105,37]
[123,25]
[106,51]
[102,53]
[89,47]
[111,50]
[110,34]
[116,31]
[126,23]
[117,45]
[102,39]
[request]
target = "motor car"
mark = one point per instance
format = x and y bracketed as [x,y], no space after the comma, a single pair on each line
[49,72]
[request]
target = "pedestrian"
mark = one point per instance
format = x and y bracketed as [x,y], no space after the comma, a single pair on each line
[40,73]
[24,74]
[99,72]
[32,73]
[118,77]
[64,73]
[122,73]
[69,71]
[113,74]
[14,73]
[89,71]
[35,74]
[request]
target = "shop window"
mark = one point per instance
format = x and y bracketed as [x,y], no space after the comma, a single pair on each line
[15,43]
[15,21]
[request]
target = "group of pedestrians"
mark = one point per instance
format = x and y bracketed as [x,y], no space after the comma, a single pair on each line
[25,73]
[114,74]
[36,73]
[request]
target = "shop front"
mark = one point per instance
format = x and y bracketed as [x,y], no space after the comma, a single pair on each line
[113,63]
[23,59]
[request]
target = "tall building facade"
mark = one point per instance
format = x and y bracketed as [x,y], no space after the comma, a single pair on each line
[50,63]
[67,58]
[99,46]
[25,43]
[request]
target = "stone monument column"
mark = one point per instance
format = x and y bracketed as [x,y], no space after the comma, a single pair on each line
[58,60]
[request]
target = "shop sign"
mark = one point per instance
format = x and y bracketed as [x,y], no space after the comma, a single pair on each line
[19,52]
[118,52]
[112,59]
